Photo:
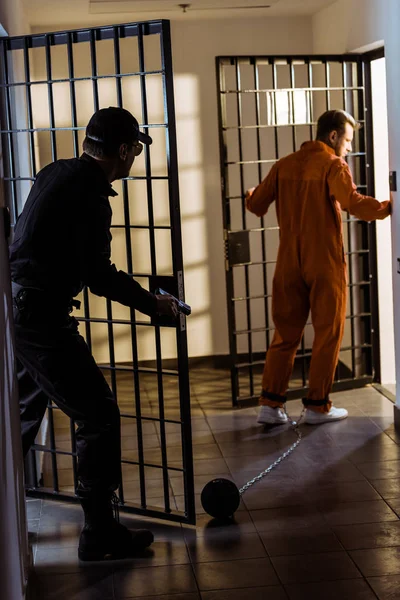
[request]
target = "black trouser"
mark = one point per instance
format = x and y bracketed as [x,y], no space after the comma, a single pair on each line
[54,362]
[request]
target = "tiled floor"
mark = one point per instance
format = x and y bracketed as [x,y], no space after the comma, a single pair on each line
[325,525]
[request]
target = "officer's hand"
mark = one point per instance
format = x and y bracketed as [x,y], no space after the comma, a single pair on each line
[167,306]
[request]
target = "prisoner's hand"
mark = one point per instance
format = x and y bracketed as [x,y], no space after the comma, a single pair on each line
[249,192]
[167,306]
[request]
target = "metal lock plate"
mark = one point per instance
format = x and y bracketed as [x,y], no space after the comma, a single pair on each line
[238,248]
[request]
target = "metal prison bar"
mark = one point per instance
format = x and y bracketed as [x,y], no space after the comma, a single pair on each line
[267,107]
[169,414]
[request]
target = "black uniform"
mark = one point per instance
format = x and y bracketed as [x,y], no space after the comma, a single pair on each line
[61,244]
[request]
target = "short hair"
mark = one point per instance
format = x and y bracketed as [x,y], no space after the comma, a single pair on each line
[334,120]
[100,150]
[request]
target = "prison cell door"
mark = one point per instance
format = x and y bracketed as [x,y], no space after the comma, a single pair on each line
[50,86]
[268,106]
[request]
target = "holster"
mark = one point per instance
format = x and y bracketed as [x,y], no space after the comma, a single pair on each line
[30,300]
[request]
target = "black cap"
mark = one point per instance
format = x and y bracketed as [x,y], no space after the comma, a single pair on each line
[113,126]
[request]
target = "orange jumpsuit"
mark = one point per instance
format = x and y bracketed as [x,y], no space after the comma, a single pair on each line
[311,188]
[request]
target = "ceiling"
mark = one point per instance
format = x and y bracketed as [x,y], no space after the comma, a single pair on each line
[42,13]
[180,8]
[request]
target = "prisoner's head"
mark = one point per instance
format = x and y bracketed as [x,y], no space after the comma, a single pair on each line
[336,129]
[113,135]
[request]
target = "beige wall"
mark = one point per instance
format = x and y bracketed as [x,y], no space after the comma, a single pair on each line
[195,46]
[392,51]
[350,25]
[384,240]
[205,275]
[12,17]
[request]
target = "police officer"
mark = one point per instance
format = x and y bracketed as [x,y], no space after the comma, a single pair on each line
[61,244]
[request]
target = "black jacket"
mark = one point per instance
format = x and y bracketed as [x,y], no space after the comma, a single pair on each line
[62,239]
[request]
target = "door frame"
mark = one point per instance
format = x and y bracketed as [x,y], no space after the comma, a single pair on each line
[239,245]
[93,36]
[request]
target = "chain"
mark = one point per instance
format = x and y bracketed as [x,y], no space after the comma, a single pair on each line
[295,428]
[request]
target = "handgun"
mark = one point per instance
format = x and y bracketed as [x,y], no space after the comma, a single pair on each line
[182,307]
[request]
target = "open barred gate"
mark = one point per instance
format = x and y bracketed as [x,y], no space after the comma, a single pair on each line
[268,106]
[50,85]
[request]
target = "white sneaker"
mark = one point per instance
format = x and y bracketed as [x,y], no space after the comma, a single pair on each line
[272,416]
[316,418]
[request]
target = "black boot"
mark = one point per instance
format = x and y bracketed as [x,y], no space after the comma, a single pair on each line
[103,537]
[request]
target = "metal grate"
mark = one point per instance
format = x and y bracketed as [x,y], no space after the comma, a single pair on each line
[50,85]
[268,106]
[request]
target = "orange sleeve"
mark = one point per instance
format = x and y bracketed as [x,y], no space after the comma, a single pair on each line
[343,190]
[260,198]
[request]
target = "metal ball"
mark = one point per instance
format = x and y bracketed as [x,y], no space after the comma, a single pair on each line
[220,498]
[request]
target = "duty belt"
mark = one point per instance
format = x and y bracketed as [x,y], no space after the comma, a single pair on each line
[30,297]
